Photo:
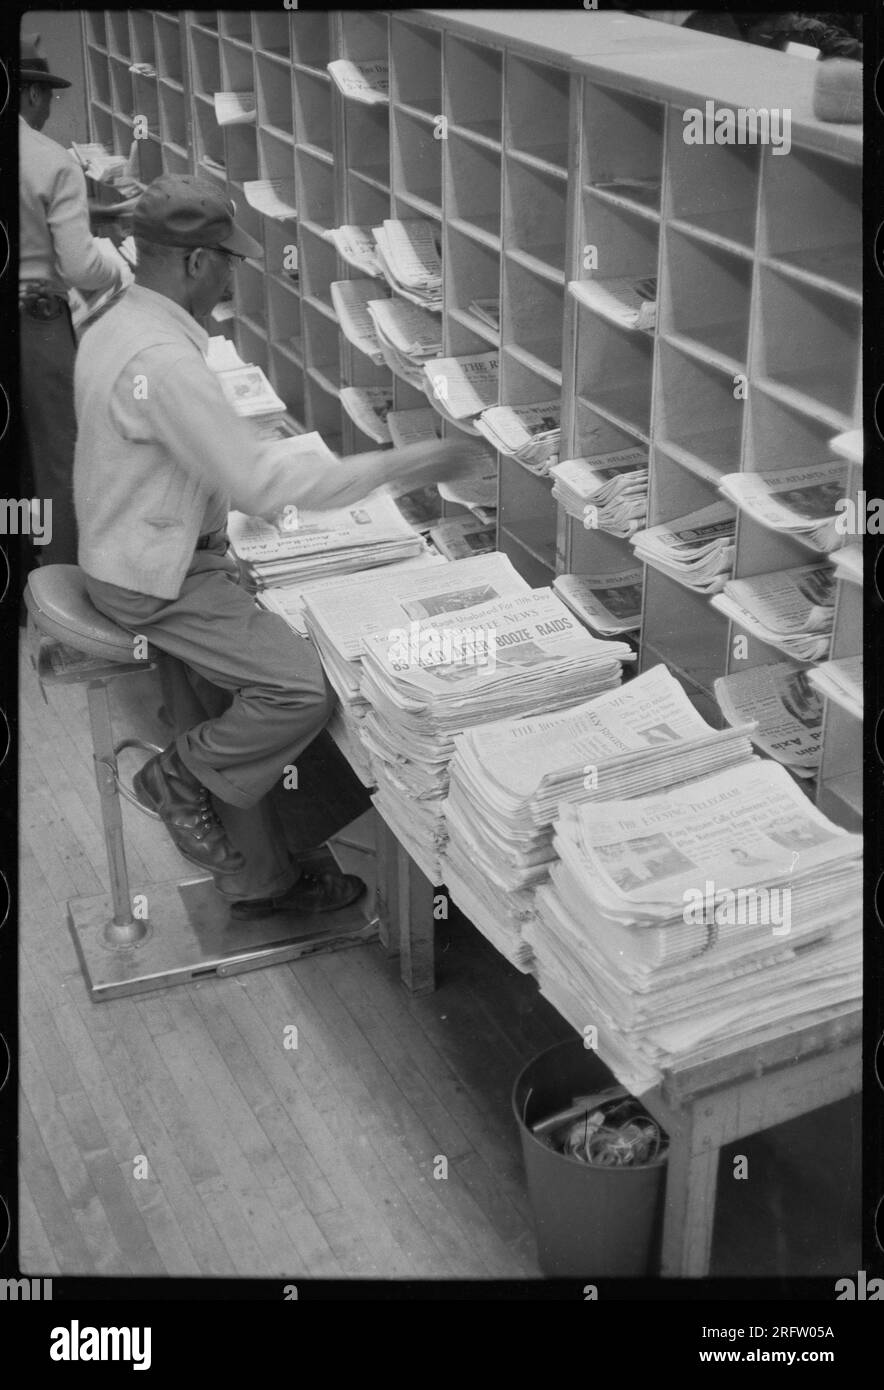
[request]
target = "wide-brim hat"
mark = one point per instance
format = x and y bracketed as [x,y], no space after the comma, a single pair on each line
[34,68]
[182,210]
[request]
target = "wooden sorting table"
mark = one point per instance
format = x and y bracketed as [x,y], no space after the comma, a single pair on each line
[703,1108]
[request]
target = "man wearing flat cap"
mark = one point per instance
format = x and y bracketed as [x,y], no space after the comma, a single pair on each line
[57,252]
[161,458]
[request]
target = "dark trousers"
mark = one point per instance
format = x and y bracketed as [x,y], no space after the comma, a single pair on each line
[247,697]
[49,427]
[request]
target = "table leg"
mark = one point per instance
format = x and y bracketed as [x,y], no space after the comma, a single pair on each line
[415,905]
[387,891]
[689,1214]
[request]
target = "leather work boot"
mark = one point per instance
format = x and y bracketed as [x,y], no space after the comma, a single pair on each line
[166,786]
[322,892]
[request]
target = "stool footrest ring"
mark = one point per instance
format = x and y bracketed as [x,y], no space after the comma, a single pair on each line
[121,786]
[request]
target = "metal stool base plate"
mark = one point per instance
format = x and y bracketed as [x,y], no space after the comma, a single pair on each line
[195,938]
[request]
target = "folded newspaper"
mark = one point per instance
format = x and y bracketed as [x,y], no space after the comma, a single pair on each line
[841,680]
[697,550]
[368,407]
[413,426]
[351,299]
[791,610]
[356,246]
[273,197]
[460,388]
[463,536]
[609,604]
[103,166]
[781,701]
[487,311]
[802,502]
[848,562]
[309,544]
[407,337]
[529,433]
[235,108]
[477,488]
[409,253]
[367,81]
[607,492]
[628,302]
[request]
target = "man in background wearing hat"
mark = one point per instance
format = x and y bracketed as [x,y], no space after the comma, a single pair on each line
[161,458]
[57,252]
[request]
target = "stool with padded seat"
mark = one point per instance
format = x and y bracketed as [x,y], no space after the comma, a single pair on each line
[169,932]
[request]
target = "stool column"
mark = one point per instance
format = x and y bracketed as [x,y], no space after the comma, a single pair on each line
[124,927]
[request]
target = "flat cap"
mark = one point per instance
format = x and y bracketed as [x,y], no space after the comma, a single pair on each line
[181,210]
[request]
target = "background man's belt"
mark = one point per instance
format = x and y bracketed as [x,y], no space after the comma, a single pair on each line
[39,300]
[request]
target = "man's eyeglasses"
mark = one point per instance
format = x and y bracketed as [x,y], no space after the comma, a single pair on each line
[222,251]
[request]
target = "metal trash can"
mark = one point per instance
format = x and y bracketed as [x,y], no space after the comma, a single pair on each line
[588,1220]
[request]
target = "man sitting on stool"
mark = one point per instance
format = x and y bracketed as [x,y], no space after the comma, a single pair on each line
[160,459]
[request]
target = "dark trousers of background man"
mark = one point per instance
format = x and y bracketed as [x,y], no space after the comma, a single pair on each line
[49,429]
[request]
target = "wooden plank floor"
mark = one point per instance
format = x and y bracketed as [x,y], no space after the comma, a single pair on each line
[263,1161]
[259,1160]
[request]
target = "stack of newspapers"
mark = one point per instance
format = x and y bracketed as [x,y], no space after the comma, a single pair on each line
[790,609]
[438,676]
[460,388]
[841,680]
[529,433]
[784,706]
[686,923]
[249,392]
[463,536]
[388,601]
[410,258]
[288,600]
[356,246]
[697,550]
[507,780]
[800,502]
[610,604]
[406,337]
[308,544]
[608,492]
[288,603]
[351,299]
